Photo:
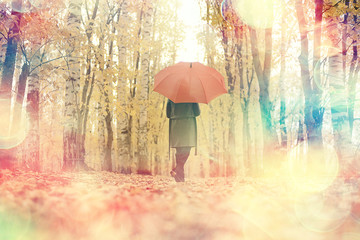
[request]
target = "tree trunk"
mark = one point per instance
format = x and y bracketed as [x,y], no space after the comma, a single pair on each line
[338,100]
[32,155]
[230,164]
[283,131]
[248,163]
[110,136]
[88,87]
[314,127]
[244,97]
[2,57]
[245,94]
[7,156]
[353,72]
[213,143]
[10,55]
[74,158]
[230,149]
[143,158]
[263,75]
[352,87]
[122,128]
[101,133]
[22,82]
[108,166]
[313,112]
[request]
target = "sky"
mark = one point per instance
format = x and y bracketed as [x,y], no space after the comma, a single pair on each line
[189,14]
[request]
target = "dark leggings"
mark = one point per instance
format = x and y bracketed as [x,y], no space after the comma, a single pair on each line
[182,154]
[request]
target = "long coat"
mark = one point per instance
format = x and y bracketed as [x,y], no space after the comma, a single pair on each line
[182,124]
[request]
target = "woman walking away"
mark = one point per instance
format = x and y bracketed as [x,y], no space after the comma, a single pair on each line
[182,133]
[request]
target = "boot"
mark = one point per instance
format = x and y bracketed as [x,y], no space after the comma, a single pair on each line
[182,155]
[178,175]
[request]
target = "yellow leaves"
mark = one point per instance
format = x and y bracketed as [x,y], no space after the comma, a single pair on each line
[335,8]
[104,205]
[356,5]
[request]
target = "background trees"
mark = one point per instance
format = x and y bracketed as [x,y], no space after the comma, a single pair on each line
[84,71]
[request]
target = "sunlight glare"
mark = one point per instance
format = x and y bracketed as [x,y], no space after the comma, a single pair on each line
[257,14]
[12,133]
[15,225]
[313,170]
[189,14]
[351,236]
[318,212]
[263,216]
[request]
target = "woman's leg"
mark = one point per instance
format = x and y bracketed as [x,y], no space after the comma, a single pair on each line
[182,154]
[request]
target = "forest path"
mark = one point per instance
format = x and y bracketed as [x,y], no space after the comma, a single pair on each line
[106,206]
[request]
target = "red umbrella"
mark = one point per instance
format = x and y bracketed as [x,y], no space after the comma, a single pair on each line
[189,82]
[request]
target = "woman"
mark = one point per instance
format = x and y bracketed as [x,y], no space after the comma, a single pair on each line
[182,133]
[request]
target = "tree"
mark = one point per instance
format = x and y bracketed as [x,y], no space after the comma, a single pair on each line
[73,157]
[338,95]
[8,69]
[11,52]
[313,110]
[263,75]
[246,74]
[144,167]
[314,122]
[282,82]
[123,116]
[33,97]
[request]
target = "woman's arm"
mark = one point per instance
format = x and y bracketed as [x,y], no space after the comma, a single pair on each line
[196,109]
[168,109]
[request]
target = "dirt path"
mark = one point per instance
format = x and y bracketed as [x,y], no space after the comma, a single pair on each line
[106,206]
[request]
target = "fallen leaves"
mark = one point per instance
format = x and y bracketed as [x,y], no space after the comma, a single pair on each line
[103,205]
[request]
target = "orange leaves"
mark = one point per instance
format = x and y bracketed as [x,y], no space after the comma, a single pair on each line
[96,204]
[37,26]
[104,205]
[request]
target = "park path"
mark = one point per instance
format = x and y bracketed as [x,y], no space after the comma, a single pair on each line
[107,206]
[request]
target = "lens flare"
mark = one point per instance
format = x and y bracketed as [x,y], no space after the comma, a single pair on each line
[350,236]
[266,216]
[312,169]
[257,14]
[355,211]
[355,163]
[14,124]
[321,70]
[21,6]
[14,225]
[322,213]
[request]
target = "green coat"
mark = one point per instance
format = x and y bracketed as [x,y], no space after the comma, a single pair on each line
[182,124]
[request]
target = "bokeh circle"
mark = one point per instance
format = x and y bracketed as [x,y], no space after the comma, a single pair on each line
[312,169]
[228,13]
[14,123]
[21,6]
[319,212]
[257,14]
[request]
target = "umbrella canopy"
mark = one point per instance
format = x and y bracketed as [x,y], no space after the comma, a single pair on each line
[187,82]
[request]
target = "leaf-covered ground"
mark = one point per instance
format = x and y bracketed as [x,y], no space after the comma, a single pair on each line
[103,205]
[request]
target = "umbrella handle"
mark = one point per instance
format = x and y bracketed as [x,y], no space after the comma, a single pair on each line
[169,137]
[196,133]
